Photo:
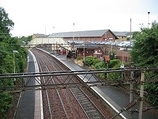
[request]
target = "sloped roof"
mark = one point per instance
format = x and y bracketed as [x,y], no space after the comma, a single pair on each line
[124,33]
[91,33]
[38,35]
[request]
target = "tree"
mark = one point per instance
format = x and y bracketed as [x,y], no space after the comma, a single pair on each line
[5,24]
[7,45]
[145,54]
[145,49]
[135,34]
[25,40]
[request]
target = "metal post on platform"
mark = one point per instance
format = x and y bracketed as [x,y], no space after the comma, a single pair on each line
[131,83]
[13,62]
[141,94]
[14,66]
[73,40]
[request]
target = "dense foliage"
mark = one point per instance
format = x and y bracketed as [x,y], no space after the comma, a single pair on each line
[5,24]
[91,61]
[10,52]
[96,63]
[145,54]
[25,40]
[145,50]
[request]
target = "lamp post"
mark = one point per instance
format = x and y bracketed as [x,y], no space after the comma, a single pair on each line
[73,43]
[73,31]
[14,51]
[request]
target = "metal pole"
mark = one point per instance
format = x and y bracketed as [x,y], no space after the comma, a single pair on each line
[14,51]
[130,29]
[73,43]
[84,51]
[73,31]
[141,94]
[13,62]
[45,30]
[131,84]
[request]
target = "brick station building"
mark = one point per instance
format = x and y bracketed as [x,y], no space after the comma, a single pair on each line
[87,42]
[84,43]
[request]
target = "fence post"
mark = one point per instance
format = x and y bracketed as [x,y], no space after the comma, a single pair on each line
[141,94]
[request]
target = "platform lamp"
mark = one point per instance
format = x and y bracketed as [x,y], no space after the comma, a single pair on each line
[73,43]
[14,51]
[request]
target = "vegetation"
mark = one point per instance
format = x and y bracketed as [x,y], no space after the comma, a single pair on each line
[96,63]
[145,50]
[90,61]
[11,51]
[145,54]
[25,40]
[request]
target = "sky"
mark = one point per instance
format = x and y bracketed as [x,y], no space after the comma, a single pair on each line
[50,16]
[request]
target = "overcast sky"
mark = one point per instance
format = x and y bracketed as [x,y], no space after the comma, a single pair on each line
[49,16]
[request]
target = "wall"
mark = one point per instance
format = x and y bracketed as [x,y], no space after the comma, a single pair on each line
[122,55]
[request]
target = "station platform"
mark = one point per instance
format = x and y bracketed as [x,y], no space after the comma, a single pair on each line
[31,101]
[30,104]
[116,98]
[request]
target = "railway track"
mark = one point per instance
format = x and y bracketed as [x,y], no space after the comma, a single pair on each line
[67,103]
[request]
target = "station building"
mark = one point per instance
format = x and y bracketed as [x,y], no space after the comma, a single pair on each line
[85,43]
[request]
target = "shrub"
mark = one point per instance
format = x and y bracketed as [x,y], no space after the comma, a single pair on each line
[88,60]
[100,65]
[115,63]
[5,103]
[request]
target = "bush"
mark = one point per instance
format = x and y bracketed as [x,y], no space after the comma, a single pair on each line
[115,63]
[91,61]
[100,65]
[5,103]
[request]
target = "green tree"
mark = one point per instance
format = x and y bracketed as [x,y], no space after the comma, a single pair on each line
[135,34]
[5,103]
[7,45]
[25,40]
[5,24]
[145,54]
[145,49]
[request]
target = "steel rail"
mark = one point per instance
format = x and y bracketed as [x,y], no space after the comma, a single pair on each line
[50,67]
[85,97]
[47,97]
[62,81]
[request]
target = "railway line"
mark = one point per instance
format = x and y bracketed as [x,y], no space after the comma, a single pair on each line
[67,103]
[57,84]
